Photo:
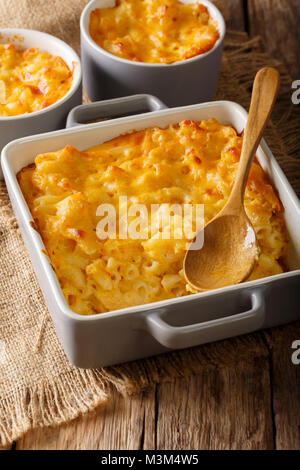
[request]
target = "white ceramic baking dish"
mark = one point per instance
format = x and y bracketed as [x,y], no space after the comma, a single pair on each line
[189,81]
[53,117]
[132,333]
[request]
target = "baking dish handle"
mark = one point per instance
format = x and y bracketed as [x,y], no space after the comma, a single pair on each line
[174,337]
[112,109]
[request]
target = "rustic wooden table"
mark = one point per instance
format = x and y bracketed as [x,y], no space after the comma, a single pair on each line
[249,403]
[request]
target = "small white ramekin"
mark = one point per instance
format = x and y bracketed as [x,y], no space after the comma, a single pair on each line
[190,81]
[53,117]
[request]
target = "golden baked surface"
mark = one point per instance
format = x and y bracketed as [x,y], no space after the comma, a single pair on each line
[30,80]
[189,162]
[154,31]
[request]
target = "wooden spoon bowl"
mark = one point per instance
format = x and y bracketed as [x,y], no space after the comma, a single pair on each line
[235,253]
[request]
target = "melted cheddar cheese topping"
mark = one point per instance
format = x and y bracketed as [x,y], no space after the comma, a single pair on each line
[189,162]
[30,80]
[154,31]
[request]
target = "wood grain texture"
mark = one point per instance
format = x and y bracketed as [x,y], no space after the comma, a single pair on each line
[233,12]
[285,386]
[125,423]
[227,408]
[277,22]
[253,403]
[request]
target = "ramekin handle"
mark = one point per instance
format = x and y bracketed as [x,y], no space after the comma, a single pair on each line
[174,337]
[112,109]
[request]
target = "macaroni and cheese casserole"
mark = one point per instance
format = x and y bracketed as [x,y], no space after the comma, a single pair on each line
[154,31]
[30,80]
[190,162]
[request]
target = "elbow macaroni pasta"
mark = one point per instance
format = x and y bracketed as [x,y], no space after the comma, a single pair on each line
[30,80]
[154,31]
[189,162]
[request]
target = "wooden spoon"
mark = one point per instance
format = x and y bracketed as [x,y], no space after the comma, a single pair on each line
[230,250]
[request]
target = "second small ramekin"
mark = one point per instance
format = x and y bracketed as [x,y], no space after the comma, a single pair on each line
[53,117]
[180,83]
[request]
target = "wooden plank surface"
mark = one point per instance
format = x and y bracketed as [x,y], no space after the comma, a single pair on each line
[125,423]
[277,22]
[285,386]
[251,404]
[233,12]
[221,408]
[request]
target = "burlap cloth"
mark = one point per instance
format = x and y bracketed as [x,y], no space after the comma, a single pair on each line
[38,386]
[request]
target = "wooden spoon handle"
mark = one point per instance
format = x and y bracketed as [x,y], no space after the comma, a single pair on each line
[265,89]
